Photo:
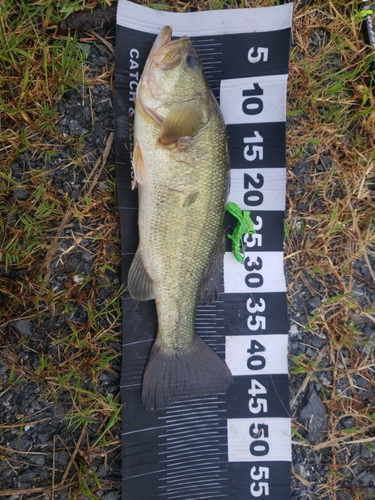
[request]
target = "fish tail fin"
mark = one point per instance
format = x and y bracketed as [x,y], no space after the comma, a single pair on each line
[196,372]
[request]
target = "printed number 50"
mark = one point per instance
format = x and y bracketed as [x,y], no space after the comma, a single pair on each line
[261,53]
[258,488]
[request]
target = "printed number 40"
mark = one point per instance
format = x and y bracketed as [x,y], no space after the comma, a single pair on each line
[259,487]
[256,361]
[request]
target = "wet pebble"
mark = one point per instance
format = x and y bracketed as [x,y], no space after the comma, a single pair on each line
[23,326]
[21,194]
[314,413]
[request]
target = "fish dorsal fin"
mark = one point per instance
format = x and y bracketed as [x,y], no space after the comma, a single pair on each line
[183,120]
[140,284]
[140,171]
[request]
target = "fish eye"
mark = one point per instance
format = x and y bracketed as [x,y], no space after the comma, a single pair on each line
[193,62]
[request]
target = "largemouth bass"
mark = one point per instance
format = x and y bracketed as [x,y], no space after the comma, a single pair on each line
[181,165]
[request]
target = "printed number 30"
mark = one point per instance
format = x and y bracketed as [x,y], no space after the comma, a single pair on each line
[261,53]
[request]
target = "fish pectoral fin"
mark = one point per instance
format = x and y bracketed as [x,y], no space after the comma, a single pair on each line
[140,171]
[181,121]
[140,284]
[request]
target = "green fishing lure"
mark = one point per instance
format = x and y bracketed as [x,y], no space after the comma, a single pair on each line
[244,226]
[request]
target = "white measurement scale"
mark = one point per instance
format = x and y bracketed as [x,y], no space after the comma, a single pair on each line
[234,445]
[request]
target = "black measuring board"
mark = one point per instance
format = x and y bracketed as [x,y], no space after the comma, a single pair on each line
[235,445]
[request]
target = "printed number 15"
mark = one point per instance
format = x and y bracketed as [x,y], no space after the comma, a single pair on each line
[257,54]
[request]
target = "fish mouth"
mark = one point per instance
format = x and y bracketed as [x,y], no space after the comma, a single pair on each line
[165,53]
[163,38]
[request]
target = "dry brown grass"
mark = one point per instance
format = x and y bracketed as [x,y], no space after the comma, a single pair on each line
[330,223]
[37,68]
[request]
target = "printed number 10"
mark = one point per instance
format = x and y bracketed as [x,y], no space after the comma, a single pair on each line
[253,105]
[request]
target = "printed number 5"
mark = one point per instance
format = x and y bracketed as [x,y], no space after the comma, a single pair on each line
[258,488]
[260,53]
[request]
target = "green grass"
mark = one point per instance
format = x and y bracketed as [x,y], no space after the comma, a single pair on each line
[37,68]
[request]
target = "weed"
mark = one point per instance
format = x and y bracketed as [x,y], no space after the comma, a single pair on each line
[37,69]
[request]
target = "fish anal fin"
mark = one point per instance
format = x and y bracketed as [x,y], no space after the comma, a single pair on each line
[196,372]
[183,120]
[140,285]
[140,171]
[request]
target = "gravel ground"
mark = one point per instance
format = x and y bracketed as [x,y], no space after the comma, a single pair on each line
[44,445]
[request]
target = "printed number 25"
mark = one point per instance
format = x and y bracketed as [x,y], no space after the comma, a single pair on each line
[257,54]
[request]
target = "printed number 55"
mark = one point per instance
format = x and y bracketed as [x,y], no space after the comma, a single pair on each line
[259,488]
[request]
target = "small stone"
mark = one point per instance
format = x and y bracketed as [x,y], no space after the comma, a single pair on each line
[24,444]
[62,247]
[315,413]
[101,61]
[37,459]
[368,329]
[324,380]
[63,458]
[21,194]
[76,128]
[293,330]
[111,496]
[26,478]
[86,255]
[314,302]
[364,478]
[105,379]
[36,405]
[6,473]
[16,169]
[310,352]
[300,470]
[23,327]
[361,382]
[85,242]
[85,47]
[348,422]
[365,452]
[74,194]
